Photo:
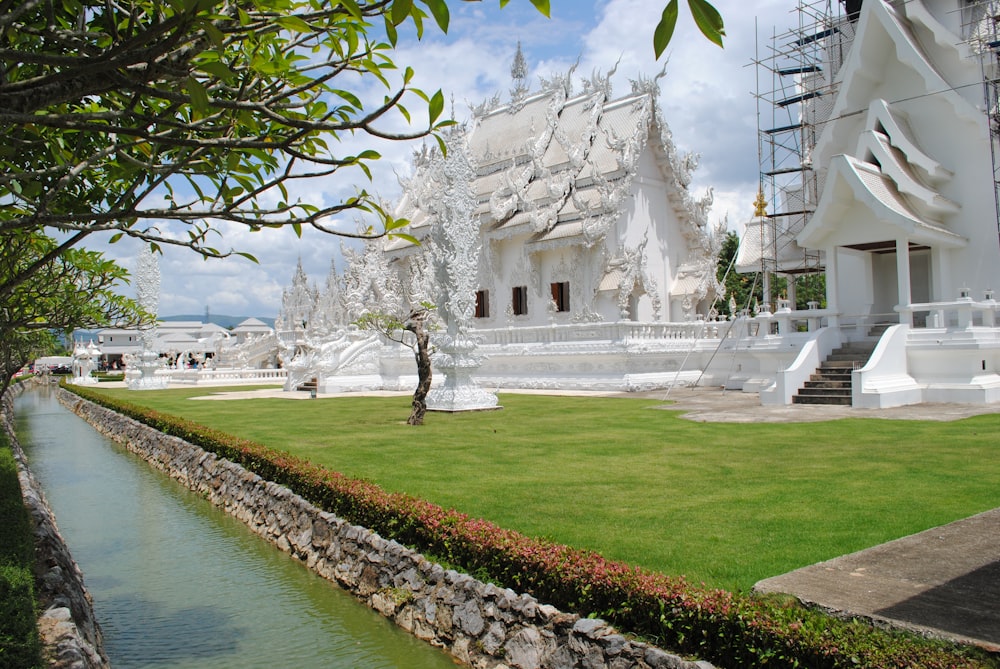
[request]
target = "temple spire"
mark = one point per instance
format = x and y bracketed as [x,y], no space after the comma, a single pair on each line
[519,75]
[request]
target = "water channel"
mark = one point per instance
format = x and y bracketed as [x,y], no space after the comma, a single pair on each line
[177,583]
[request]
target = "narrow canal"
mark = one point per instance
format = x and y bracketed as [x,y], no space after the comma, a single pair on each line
[177,583]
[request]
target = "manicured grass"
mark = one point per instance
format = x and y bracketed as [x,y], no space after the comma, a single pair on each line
[720,503]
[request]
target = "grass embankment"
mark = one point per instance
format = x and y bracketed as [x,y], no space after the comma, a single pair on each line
[722,504]
[20,647]
[725,628]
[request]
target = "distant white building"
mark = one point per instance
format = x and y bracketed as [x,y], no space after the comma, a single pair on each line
[178,341]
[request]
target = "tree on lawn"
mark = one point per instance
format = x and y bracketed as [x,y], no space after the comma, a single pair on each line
[740,288]
[394,328]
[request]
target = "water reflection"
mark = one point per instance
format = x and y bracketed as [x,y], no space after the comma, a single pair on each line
[208,632]
[177,583]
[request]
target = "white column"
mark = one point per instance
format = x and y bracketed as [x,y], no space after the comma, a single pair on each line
[942,288]
[903,280]
[832,296]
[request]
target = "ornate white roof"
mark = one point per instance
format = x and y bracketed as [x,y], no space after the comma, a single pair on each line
[552,158]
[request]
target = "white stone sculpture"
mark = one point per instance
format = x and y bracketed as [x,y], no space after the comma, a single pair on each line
[455,259]
[141,374]
[84,362]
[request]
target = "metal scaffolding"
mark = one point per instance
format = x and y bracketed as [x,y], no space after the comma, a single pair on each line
[981,32]
[796,88]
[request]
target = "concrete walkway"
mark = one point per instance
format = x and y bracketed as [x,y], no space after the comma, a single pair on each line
[941,582]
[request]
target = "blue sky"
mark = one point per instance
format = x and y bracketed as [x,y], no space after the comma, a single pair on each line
[706,96]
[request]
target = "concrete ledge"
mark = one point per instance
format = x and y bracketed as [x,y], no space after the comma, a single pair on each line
[943,582]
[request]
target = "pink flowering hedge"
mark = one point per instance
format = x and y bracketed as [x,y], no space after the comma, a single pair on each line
[730,630]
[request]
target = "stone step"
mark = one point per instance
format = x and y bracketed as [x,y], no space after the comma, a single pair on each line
[821,399]
[829,383]
[840,364]
[308,386]
[828,392]
[852,358]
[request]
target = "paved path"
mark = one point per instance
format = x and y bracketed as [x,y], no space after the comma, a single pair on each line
[944,581]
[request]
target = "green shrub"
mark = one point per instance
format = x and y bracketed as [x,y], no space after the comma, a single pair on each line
[20,646]
[728,629]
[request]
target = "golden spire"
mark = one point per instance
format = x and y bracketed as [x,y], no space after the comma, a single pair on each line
[760,205]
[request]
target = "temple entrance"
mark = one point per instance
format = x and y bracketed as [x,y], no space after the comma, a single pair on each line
[885,283]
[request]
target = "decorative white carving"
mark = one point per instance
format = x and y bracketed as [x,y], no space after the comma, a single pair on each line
[632,265]
[455,256]
[298,301]
[141,374]
[84,363]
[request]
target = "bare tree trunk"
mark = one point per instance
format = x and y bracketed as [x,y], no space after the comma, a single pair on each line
[421,351]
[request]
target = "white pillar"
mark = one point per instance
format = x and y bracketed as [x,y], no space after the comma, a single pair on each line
[942,288]
[903,280]
[832,296]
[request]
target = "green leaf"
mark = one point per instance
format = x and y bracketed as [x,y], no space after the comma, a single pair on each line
[396,223]
[390,31]
[440,11]
[293,23]
[436,106]
[405,237]
[297,227]
[216,69]
[665,28]
[352,8]
[401,10]
[199,96]
[248,256]
[708,19]
[542,6]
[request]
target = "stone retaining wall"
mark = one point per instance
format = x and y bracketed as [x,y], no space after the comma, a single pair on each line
[69,630]
[480,624]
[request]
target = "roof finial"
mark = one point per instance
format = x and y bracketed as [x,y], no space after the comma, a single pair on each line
[519,68]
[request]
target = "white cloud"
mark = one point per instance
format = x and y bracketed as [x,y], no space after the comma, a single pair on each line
[706,96]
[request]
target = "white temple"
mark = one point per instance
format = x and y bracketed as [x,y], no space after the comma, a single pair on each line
[891,108]
[591,249]
[597,266]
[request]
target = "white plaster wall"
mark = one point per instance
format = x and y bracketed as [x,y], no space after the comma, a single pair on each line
[854,283]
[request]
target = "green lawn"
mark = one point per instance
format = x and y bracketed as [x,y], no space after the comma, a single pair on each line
[725,504]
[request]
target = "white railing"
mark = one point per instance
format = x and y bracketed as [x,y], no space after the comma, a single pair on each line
[783,322]
[959,314]
[203,377]
[623,331]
